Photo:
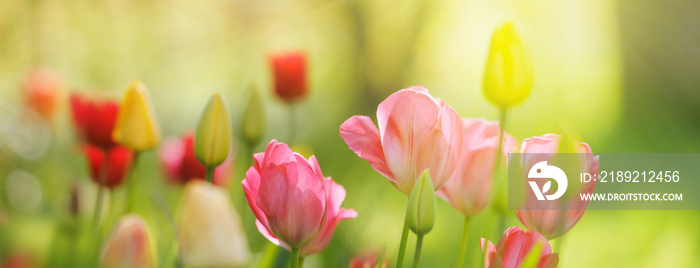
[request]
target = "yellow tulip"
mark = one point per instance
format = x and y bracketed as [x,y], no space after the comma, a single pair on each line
[129,245]
[508,74]
[136,126]
[210,231]
[212,141]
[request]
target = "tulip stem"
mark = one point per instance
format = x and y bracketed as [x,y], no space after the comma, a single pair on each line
[559,244]
[292,123]
[130,181]
[463,244]
[295,257]
[402,246]
[210,174]
[497,162]
[102,177]
[416,255]
[301,262]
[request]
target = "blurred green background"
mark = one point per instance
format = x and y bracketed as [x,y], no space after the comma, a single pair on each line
[624,73]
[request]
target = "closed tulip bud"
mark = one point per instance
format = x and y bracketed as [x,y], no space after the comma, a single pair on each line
[422,207]
[508,74]
[253,126]
[210,232]
[213,137]
[128,245]
[136,126]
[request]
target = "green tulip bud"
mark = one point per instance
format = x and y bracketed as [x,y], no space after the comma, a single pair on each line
[422,207]
[253,126]
[212,140]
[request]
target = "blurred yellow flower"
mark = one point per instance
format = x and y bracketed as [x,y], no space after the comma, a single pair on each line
[508,73]
[212,141]
[137,126]
[210,232]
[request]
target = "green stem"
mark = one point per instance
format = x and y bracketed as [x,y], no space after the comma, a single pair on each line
[104,167]
[402,246]
[496,165]
[130,188]
[301,262]
[98,207]
[292,123]
[463,244]
[210,174]
[416,255]
[295,258]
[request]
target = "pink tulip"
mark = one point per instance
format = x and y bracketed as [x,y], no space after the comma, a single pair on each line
[468,190]
[514,246]
[416,132]
[369,260]
[295,206]
[556,222]
[128,245]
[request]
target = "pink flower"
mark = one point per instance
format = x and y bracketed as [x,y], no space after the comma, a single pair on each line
[556,222]
[468,190]
[368,260]
[181,165]
[514,246]
[416,132]
[128,244]
[294,204]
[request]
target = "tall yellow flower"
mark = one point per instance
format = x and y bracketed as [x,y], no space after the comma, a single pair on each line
[137,126]
[508,74]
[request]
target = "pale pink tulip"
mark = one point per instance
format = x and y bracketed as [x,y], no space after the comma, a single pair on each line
[556,222]
[128,245]
[294,204]
[468,189]
[512,248]
[416,132]
[209,229]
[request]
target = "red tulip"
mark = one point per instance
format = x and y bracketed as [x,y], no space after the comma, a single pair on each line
[294,204]
[554,223]
[115,167]
[468,189]
[416,132]
[289,73]
[94,119]
[42,88]
[514,246]
[181,164]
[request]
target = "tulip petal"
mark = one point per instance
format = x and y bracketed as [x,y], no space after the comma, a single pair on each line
[299,221]
[362,137]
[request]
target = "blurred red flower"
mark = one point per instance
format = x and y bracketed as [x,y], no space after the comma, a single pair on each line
[94,119]
[41,88]
[181,165]
[108,167]
[289,73]
[514,246]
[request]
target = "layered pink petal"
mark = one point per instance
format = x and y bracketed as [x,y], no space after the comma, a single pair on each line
[468,189]
[556,222]
[335,196]
[362,137]
[514,246]
[294,202]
